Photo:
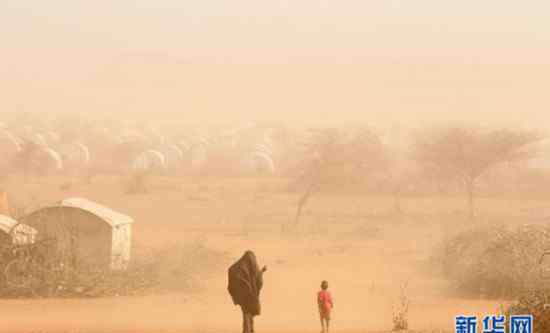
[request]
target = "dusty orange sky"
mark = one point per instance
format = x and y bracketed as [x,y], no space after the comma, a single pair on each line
[373,61]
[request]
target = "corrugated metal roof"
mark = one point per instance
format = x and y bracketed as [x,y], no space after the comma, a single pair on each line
[6,223]
[108,215]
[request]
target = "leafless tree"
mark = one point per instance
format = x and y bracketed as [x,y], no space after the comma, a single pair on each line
[464,154]
[320,153]
[332,158]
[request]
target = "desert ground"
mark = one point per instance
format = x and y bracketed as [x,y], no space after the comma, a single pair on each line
[214,124]
[365,251]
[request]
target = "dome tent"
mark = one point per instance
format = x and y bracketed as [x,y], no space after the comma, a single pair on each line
[90,233]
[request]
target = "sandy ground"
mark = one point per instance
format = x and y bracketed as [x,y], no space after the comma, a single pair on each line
[365,270]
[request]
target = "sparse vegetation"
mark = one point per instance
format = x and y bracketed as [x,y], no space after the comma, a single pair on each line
[28,272]
[358,182]
[537,303]
[401,311]
[464,154]
[331,158]
[494,260]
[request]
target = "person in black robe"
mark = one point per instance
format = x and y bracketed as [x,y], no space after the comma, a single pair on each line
[245,281]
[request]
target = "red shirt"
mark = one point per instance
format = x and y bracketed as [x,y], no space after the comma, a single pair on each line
[325,301]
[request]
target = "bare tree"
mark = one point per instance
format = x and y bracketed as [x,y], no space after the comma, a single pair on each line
[464,154]
[332,158]
[321,153]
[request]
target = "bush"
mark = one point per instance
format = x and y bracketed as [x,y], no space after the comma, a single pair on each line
[536,303]
[494,261]
[33,274]
[401,311]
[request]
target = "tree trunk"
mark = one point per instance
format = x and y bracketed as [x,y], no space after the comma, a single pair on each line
[303,201]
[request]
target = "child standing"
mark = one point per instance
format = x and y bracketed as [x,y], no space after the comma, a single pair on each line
[325,304]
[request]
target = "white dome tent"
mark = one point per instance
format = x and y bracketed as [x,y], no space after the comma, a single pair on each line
[149,160]
[260,162]
[53,159]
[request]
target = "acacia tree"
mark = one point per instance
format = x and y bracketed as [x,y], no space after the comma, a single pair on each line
[332,158]
[464,154]
[320,153]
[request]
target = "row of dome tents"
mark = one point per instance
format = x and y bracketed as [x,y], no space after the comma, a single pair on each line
[139,151]
[253,150]
[195,153]
[40,155]
[84,231]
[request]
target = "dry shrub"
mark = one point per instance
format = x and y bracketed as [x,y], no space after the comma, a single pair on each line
[536,303]
[401,311]
[493,260]
[173,268]
[177,267]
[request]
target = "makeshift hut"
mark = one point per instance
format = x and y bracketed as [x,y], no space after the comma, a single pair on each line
[84,233]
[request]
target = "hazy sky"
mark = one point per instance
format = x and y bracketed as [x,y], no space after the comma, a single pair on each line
[361,60]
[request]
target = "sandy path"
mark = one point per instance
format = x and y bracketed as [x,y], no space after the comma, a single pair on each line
[364,289]
[365,274]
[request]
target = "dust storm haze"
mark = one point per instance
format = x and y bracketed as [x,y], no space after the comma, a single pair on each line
[394,148]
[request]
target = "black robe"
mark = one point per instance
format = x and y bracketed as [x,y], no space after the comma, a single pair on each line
[245,282]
